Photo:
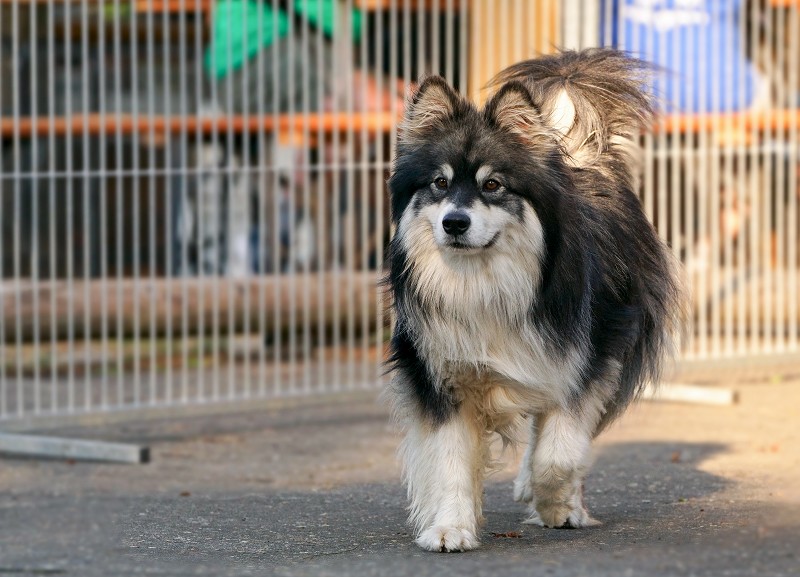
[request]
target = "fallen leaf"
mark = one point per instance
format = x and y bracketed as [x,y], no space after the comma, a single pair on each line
[507,535]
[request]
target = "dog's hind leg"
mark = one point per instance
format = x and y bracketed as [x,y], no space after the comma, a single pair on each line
[560,460]
[444,468]
[523,484]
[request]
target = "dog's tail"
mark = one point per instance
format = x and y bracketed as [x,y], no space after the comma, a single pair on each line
[595,99]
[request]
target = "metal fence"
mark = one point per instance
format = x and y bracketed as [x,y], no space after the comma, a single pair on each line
[192,192]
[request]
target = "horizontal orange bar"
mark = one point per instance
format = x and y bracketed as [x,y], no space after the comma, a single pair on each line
[174,6]
[760,120]
[94,124]
[330,122]
[400,4]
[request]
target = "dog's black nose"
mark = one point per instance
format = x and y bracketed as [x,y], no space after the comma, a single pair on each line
[456,223]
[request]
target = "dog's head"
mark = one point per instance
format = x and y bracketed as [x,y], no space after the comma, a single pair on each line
[466,179]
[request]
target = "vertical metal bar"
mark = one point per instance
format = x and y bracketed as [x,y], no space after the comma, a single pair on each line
[380,168]
[792,234]
[781,189]
[727,188]
[181,230]
[504,53]
[703,200]
[3,379]
[407,42]
[120,209]
[476,56]
[422,31]
[519,52]
[221,173]
[691,192]
[435,22]
[649,141]
[135,169]
[662,218]
[168,202]
[350,223]
[677,194]
[449,34]
[322,202]
[394,73]
[746,229]
[276,225]
[263,200]
[203,173]
[292,210]
[714,197]
[17,233]
[69,213]
[307,212]
[768,208]
[607,23]
[244,184]
[35,181]
[336,208]
[754,195]
[463,50]
[491,24]
[51,166]
[103,209]
[234,172]
[364,200]
[87,235]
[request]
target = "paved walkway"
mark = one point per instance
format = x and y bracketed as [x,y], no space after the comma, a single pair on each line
[313,490]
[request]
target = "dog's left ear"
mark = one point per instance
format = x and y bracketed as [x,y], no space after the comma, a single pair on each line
[512,108]
[430,106]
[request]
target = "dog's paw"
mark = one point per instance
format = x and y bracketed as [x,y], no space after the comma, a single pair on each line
[562,516]
[533,518]
[447,539]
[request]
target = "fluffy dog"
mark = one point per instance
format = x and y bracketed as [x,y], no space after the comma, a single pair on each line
[529,288]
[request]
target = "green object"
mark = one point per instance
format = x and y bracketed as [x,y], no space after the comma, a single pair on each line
[242,27]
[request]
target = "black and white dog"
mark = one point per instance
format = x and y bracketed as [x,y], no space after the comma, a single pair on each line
[529,288]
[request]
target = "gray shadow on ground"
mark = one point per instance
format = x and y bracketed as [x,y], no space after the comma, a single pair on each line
[659,513]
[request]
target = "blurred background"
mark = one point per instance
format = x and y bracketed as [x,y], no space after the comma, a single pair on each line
[193,200]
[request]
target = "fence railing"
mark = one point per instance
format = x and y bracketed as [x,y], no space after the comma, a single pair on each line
[192,193]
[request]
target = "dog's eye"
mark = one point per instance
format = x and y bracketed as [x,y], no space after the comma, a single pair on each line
[491,185]
[441,183]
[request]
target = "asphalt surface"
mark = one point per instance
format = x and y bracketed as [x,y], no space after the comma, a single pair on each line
[313,489]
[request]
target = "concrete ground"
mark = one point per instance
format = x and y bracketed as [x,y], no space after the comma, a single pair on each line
[313,489]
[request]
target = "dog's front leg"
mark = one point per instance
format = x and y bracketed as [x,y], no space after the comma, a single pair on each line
[444,466]
[561,459]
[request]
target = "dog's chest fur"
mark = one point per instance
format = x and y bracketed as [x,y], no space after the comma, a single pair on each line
[472,323]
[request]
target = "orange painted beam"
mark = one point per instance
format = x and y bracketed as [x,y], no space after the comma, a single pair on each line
[111,124]
[400,4]
[174,6]
[748,121]
[332,122]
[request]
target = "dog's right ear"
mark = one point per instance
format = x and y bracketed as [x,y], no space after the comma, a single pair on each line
[430,106]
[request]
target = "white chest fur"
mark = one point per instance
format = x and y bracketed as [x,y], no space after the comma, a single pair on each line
[476,311]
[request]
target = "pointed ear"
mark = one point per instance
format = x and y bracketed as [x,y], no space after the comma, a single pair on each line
[430,105]
[512,108]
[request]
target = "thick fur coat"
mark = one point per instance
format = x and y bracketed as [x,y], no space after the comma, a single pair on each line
[529,288]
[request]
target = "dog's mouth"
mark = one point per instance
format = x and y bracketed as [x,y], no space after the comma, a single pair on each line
[464,247]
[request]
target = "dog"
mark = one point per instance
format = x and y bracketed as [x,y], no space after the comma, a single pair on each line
[531,295]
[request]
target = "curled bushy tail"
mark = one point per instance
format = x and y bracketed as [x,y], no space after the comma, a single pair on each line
[595,99]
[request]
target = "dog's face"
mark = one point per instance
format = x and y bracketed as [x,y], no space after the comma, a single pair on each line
[470,182]
[467,211]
